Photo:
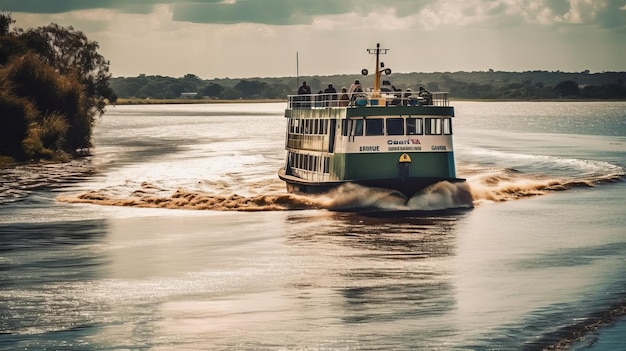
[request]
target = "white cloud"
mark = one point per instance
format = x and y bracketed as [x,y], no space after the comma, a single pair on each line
[422,35]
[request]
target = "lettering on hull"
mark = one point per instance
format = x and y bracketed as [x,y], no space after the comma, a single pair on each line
[404,142]
[369,148]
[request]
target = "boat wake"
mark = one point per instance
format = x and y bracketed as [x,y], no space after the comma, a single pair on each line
[484,185]
[350,197]
[496,185]
[149,195]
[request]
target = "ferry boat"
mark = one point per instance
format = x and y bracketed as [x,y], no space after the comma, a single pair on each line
[377,137]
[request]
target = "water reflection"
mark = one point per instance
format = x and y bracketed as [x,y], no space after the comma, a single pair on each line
[391,276]
[43,269]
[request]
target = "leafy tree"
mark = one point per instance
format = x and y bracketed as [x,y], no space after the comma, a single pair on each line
[52,83]
[71,53]
[52,93]
[212,90]
[251,89]
[15,116]
[230,94]
[5,23]
[567,88]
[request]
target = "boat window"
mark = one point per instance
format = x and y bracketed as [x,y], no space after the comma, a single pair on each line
[344,127]
[395,126]
[447,126]
[358,127]
[355,127]
[374,126]
[414,126]
[326,164]
[433,126]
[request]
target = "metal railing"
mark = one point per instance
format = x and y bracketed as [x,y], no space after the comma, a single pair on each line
[369,98]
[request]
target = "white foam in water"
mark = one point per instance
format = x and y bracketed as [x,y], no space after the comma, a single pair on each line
[442,195]
[353,196]
[439,196]
[549,164]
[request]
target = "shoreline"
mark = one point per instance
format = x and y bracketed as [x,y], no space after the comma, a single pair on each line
[190,101]
[132,101]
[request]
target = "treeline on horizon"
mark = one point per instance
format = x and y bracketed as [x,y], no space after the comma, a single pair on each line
[490,84]
[53,82]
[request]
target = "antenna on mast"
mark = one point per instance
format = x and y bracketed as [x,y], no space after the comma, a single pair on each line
[379,67]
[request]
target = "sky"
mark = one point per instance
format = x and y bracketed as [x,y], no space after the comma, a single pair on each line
[278,38]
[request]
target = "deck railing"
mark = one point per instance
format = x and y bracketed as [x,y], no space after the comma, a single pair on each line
[397,98]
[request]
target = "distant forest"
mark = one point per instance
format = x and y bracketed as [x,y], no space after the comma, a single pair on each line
[491,84]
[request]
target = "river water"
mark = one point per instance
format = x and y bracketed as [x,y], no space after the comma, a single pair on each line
[176,234]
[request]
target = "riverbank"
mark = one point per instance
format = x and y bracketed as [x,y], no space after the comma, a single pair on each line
[191,101]
[240,101]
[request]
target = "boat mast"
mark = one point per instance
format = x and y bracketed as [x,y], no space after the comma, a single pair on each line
[379,66]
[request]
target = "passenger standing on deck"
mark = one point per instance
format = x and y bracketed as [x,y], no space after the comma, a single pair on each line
[354,90]
[330,95]
[355,87]
[406,98]
[304,90]
[425,94]
[344,99]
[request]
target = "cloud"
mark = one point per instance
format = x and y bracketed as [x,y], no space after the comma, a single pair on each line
[63,6]
[426,14]
[604,13]
[249,38]
[286,12]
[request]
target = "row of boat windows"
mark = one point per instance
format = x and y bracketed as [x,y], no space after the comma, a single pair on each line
[398,126]
[309,162]
[375,126]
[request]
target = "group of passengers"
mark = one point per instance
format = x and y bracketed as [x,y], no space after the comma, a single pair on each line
[330,97]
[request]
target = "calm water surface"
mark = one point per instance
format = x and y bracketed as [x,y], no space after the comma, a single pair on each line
[177,235]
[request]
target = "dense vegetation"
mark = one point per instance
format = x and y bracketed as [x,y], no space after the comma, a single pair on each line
[461,85]
[53,83]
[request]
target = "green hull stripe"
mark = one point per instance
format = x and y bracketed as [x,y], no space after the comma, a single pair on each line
[386,165]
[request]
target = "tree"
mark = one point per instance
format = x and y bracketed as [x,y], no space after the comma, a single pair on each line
[52,83]
[567,88]
[52,94]
[15,116]
[212,90]
[71,53]
[251,89]
[5,23]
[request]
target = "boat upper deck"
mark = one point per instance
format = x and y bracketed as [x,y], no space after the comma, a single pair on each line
[367,98]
